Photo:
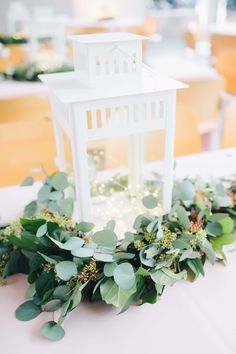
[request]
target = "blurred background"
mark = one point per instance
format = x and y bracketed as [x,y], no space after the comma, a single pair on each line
[193,41]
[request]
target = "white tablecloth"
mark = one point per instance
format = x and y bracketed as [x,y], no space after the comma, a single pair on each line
[189,318]
[182,69]
[14,89]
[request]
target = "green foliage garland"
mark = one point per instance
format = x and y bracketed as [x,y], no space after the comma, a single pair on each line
[17,38]
[67,262]
[31,71]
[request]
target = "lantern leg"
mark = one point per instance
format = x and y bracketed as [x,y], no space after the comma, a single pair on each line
[169,151]
[60,158]
[135,162]
[80,168]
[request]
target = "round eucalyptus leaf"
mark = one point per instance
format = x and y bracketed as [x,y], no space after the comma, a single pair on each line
[83,252]
[103,257]
[62,293]
[52,331]
[85,226]
[129,237]
[52,305]
[66,270]
[109,269]
[27,311]
[30,291]
[60,181]
[124,276]
[73,243]
[42,230]
[43,193]
[28,181]
[187,190]
[214,228]
[105,238]
[110,225]
[150,202]
[66,206]
[55,195]
[227,225]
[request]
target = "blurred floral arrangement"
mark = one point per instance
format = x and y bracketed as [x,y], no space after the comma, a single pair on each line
[17,38]
[30,71]
[67,262]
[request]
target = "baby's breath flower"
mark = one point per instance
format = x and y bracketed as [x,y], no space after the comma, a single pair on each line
[63,221]
[168,238]
[201,236]
[138,244]
[149,237]
[14,228]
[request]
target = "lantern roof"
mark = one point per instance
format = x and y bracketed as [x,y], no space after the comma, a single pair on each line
[69,89]
[107,38]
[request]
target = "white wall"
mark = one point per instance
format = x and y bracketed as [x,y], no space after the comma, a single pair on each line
[60,6]
[83,9]
[94,9]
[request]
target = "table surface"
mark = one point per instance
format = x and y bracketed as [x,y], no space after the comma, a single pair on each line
[228,29]
[180,68]
[13,89]
[189,318]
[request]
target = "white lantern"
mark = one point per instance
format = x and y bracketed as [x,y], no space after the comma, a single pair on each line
[18,17]
[52,27]
[111,94]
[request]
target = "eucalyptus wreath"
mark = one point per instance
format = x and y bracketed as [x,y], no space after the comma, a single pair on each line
[67,262]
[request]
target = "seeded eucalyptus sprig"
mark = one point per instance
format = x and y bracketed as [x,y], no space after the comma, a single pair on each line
[68,262]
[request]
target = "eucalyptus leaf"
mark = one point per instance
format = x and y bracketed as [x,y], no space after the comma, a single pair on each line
[209,251]
[65,270]
[110,225]
[48,259]
[183,217]
[124,276]
[189,253]
[114,295]
[43,193]
[52,305]
[187,190]
[214,229]
[103,257]
[62,292]
[73,243]
[109,268]
[42,230]
[30,291]
[52,331]
[28,181]
[150,202]
[27,311]
[85,226]
[105,238]
[83,252]
[55,195]
[60,181]
[66,206]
